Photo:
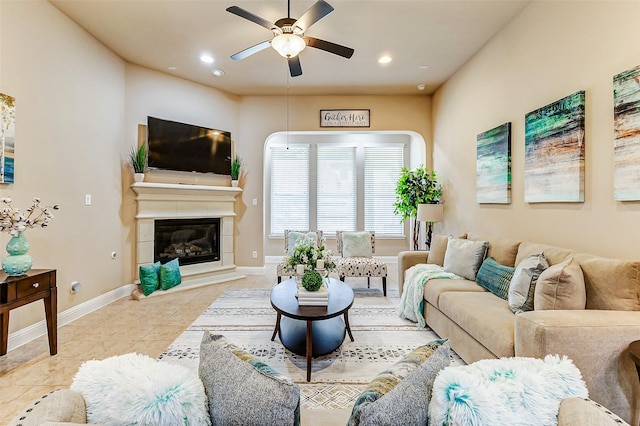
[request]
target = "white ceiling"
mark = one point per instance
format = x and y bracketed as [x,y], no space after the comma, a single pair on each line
[158,34]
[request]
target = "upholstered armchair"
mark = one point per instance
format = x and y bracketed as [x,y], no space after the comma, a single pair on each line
[356,257]
[291,240]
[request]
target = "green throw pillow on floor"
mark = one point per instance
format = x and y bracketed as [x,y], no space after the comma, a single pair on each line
[170,274]
[149,278]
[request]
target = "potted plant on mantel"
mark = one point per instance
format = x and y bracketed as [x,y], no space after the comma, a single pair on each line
[138,160]
[416,186]
[236,168]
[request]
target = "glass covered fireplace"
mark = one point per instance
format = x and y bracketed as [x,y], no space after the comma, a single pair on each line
[190,240]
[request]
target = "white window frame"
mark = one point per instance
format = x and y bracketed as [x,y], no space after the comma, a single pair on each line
[414,154]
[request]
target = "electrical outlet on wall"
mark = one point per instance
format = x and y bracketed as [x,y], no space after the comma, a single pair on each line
[254,254]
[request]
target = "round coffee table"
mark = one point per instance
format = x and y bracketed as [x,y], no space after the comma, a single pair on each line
[311,331]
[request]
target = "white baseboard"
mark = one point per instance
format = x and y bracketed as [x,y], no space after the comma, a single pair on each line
[252,270]
[27,334]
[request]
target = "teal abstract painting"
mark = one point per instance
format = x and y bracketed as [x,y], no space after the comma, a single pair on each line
[7,137]
[554,151]
[493,165]
[626,147]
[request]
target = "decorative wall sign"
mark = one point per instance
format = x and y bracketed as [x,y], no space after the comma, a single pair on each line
[554,151]
[626,146]
[344,117]
[493,166]
[7,137]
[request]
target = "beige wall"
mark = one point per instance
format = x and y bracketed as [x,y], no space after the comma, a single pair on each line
[261,116]
[69,92]
[550,51]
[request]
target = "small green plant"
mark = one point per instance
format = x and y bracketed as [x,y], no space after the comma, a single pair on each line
[312,280]
[138,158]
[236,167]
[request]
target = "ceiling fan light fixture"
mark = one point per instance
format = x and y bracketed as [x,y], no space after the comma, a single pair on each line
[288,45]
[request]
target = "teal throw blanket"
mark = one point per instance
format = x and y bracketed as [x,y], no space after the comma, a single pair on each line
[412,300]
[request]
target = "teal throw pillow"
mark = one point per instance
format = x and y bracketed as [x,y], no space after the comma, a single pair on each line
[406,384]
[242,389]
[149,278]
[170,274]
[495,277]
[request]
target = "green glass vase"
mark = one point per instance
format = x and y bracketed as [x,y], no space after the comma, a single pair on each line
[18,262]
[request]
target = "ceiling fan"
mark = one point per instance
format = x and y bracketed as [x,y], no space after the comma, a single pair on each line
[288,35]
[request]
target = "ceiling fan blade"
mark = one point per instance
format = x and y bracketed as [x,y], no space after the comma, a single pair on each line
[294,66]
[316,12]
[251,50]
[327,46]
[251,17]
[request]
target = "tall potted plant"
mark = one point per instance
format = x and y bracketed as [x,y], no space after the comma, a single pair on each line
[416,186]
[138,160]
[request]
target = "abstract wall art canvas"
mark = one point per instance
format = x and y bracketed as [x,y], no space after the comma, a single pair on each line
[626,146]
[493,165]
[554,151]
[7,137]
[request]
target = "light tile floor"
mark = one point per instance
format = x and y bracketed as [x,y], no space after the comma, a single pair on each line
[147,327]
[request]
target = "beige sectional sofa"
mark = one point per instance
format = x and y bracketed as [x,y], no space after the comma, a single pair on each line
[480,325]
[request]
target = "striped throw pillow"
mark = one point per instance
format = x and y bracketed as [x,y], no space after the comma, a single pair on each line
[495,277]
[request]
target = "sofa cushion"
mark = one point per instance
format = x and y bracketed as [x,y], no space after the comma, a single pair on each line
[495,277]
[502,249]
[553,254]
[484,316]
[611,284]
[356,244]
[464,257]
[561,286]
[435,287]
[437,249]
[134,389]
[585,412]
[523,284]
[242,390]
[407,383]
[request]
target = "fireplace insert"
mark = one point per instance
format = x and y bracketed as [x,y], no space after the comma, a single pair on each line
[189,240]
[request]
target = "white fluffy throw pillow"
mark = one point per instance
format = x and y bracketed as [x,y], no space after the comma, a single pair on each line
[506,391]
[133,389]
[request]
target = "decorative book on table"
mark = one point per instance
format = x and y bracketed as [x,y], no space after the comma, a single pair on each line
[319,297]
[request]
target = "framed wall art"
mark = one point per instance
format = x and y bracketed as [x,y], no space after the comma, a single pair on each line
[626,130]
[345,117]
[554,151]
[493,165]
[7,137]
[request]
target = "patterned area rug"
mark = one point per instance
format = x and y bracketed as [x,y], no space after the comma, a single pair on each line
[246,318]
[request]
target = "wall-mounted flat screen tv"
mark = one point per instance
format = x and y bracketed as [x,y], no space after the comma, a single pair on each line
[188,148]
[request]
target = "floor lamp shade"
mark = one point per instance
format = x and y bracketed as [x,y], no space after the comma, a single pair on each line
[430,212]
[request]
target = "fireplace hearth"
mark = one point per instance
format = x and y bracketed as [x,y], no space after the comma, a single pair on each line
[190,240]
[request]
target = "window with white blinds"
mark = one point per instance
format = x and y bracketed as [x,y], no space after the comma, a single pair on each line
[336,183]
[382,169]
[335,186]
[289,188]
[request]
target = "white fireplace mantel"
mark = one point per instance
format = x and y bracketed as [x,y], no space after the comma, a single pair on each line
[183,201]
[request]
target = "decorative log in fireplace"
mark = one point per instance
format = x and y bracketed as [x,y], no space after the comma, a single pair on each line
[189,240]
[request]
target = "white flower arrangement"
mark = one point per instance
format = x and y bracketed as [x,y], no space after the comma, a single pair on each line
[308,255]
[15,221]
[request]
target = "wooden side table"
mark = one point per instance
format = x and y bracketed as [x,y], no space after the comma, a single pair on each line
[36,284]
[634,351]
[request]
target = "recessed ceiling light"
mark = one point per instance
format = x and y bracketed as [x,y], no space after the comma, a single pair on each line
[421,86]
[172,68]
[207,59]
[423,67]
[217,72]
[384,59]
